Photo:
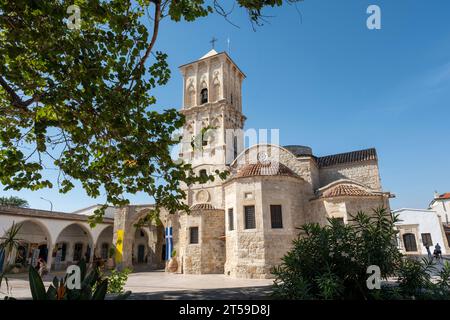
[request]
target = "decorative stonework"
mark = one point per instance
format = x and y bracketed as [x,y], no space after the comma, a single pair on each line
[202,196]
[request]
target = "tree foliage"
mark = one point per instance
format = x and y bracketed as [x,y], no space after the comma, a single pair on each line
[79,101]
[13,202]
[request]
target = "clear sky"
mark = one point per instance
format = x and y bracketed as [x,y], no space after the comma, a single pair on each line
[326,81]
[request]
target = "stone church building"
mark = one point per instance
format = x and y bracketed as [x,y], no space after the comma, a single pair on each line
[242,226]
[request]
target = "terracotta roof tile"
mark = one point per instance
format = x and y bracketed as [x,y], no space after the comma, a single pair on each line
[202,206]
[348,157]
[444,196]
[346,190]
[264,169]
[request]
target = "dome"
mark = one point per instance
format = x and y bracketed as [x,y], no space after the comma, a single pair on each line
[265,169]
[202,206]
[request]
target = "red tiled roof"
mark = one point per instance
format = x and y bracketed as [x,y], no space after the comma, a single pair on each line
[444,196]
[265,169]
[348,157]
[202,206]
[346,190]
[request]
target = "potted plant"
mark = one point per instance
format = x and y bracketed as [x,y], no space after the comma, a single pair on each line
[110,262]
[173,263]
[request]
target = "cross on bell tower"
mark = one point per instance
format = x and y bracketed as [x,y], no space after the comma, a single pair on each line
[213,42]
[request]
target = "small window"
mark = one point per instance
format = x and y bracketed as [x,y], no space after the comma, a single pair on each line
[104,251]
[230,219]
[409,241]
[249,212]
[276,216]
[248,195]
[142,233]
[426,239]
[203,173]
[231,98]
[193,232]
[204,95]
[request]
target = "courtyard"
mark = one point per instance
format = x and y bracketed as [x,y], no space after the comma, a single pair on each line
[155,285]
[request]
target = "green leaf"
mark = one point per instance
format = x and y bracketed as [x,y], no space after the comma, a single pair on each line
[100,291]
[51,293]
[36,285]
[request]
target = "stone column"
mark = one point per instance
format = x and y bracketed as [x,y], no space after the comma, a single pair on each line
[50,256]
[121,222]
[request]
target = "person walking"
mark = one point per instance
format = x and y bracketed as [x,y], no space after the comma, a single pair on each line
[42,267]
[428,251]
[437,251]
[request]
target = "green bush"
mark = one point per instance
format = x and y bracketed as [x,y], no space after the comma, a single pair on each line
[117,280]
[330,262]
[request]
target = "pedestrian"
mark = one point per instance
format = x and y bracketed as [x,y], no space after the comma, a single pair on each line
[428,251]
[42,267]
[437,251]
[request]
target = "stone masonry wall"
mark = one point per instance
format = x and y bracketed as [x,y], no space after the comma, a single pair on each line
[251,253]
[365,173]
[208,255]
[213,242]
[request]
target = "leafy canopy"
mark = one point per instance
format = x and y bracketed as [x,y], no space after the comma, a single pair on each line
[79,101]
[13,201]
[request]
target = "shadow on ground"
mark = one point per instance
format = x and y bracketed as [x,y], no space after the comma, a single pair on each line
[244,293]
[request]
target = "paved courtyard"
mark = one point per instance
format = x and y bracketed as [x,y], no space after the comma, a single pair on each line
[154,285]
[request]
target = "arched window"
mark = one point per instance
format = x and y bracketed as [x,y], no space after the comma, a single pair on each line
[216,90]
[190,96]
[409,240]
[204,95]
[203,173]
[235,147]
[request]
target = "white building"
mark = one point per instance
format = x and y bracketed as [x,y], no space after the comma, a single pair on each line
[418,228]
[59,238]
[441,204]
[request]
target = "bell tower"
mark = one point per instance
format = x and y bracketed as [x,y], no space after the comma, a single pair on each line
[212,106]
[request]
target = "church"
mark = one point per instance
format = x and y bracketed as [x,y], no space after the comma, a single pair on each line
[241,226]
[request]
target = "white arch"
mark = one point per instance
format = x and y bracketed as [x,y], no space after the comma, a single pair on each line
[83,227]
[43,228]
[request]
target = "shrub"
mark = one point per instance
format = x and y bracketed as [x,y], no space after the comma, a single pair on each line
[117,280]
[330,262]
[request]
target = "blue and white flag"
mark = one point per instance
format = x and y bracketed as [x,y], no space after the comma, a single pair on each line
[169,243]
[2,258]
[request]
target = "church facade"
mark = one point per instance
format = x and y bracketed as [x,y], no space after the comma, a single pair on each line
[243,226]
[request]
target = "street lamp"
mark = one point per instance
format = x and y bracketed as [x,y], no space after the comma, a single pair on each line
[51,204]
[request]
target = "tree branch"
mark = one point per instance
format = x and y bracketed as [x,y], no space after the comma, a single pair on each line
[155,34]
[16,101]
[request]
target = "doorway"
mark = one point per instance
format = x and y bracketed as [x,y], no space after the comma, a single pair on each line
[43,252]
[141,253]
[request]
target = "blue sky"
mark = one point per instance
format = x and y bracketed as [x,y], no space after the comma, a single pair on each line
[328,82]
